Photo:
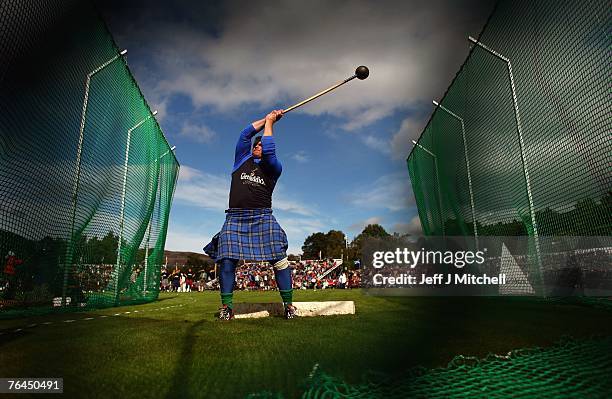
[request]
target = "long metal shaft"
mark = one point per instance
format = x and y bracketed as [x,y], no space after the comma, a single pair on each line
[309,99]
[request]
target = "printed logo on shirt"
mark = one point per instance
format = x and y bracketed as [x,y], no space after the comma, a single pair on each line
[252,178]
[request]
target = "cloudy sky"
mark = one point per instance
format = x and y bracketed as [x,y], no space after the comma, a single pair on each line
[211,69]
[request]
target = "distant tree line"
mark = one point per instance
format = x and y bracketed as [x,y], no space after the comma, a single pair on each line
[333,245]
[587,218]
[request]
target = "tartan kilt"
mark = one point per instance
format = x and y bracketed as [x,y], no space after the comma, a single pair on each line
[250,234]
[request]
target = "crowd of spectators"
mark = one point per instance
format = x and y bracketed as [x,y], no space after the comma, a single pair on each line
[177,280]
[309,274]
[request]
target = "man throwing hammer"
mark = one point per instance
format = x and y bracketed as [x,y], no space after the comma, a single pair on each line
[250,230]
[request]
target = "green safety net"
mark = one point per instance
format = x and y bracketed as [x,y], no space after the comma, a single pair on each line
[520,144]
[570,369]
[86,174]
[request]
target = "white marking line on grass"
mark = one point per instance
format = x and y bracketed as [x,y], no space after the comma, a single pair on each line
[46,323]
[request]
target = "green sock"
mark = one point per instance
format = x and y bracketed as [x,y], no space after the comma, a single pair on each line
[287,296]
[227,299]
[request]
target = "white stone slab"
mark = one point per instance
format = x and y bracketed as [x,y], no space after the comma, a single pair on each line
[304,309]
[253,315]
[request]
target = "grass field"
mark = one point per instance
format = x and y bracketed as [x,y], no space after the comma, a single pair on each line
[174,347]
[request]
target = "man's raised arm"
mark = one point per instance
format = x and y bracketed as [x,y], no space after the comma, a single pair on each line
[268,159]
